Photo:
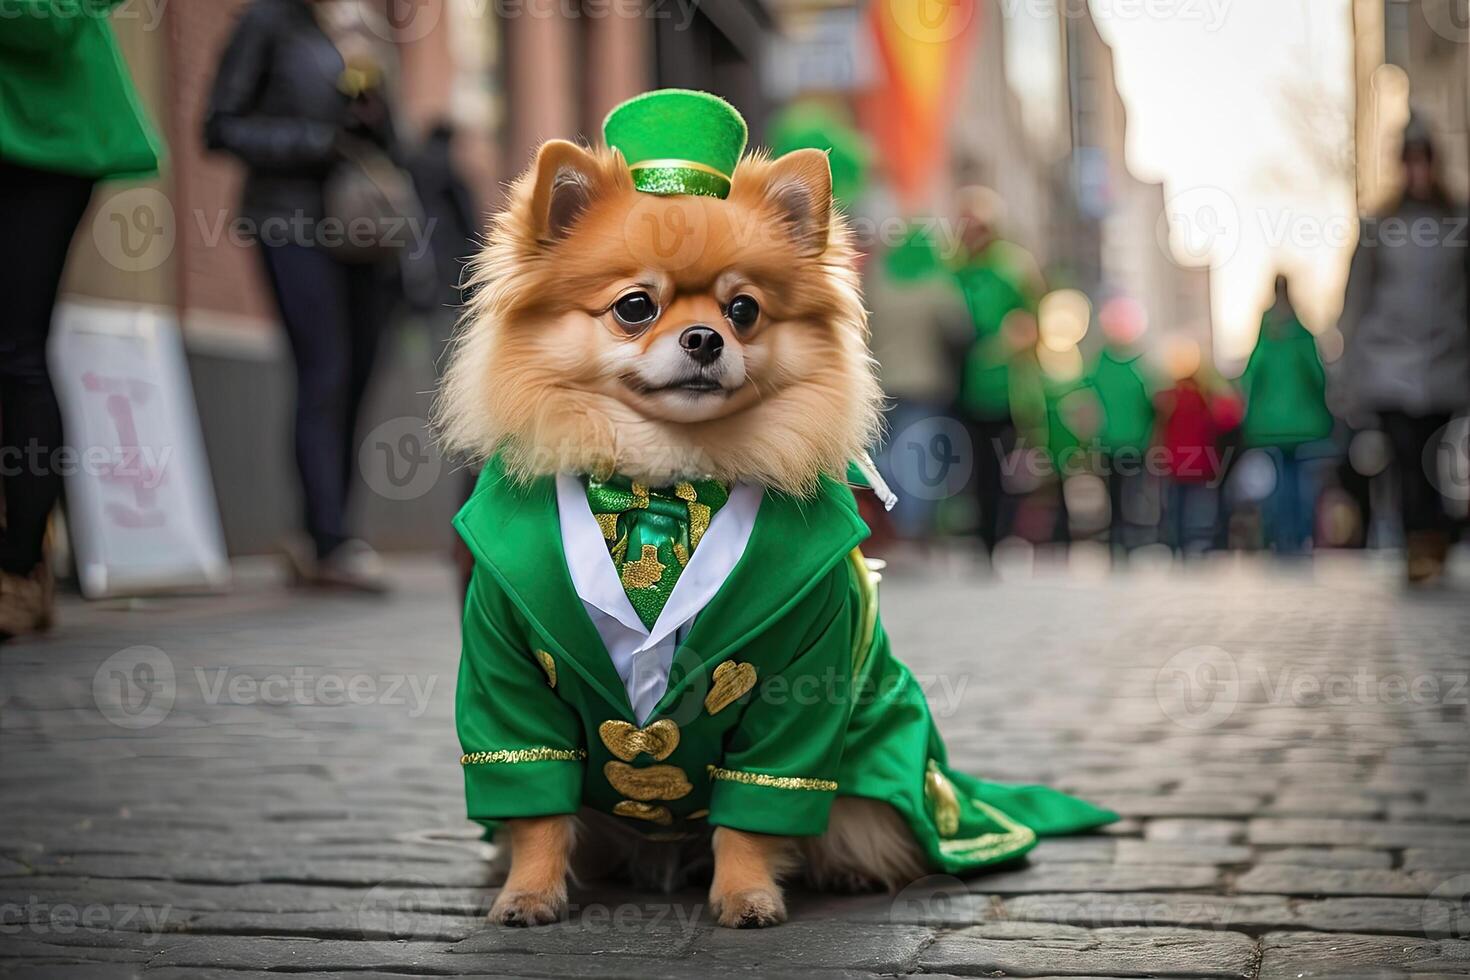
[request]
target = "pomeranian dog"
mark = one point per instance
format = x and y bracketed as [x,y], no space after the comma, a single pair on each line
[669,338]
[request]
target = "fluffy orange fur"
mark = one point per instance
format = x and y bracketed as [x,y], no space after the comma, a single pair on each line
[530,374]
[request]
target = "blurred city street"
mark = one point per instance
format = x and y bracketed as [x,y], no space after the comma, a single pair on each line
[1291,771]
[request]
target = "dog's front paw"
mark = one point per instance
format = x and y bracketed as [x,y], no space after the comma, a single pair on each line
[754,908]
[523,908]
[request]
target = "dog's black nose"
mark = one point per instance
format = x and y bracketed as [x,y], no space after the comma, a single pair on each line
[702,343]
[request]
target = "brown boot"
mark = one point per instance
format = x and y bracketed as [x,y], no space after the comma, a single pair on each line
[27,603]
[1427,551]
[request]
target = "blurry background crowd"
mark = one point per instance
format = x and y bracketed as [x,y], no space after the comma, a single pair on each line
[1155,274]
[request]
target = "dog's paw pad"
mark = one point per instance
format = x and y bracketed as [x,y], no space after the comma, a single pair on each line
[752,909]
[528,909]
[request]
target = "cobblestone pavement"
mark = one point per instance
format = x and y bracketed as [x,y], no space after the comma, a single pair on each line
[267,783]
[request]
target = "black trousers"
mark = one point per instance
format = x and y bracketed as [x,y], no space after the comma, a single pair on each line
[334,315]
[993,438]
[39,213]
[1421,506]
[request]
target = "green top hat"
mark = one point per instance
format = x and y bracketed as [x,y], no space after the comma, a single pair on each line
[678,141]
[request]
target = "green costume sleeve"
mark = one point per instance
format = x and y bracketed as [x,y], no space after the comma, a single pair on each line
[778,774]
[524,754]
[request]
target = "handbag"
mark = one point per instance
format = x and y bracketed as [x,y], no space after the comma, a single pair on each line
[370,204]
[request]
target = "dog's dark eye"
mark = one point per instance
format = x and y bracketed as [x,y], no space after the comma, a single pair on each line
[635,310]
[743,311]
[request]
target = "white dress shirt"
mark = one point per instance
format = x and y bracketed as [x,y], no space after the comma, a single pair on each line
[643,656]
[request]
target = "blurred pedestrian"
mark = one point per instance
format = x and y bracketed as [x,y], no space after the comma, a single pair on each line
[1188,433]
[314,128]
[71,118]
[1406,320]
[917,316]
[1285,411]
[996,278]
[1124,390]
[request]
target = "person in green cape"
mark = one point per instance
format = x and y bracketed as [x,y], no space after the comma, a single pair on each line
[1285,389]
[672,639]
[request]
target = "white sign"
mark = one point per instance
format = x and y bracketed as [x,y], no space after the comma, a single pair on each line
[139,497]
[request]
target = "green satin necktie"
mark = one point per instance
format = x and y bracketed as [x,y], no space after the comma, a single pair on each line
[651,533]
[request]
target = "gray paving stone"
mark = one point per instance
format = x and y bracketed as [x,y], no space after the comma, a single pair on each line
[1288,956]
[1361,833]
[1160,852]
[1437,859]
[1026,949]
[1326,857]
[1093,877]
[1245,913]
[1196,831]
[1286,879]
[813,945]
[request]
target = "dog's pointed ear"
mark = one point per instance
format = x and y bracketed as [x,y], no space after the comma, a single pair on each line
[799,188]
[566,180]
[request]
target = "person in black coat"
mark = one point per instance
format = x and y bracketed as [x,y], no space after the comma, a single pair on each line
[287,104]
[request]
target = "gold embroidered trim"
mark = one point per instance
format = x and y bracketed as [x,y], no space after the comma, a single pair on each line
[541,753]
[609,525]
[773,782]
[867,582]
[1016,836]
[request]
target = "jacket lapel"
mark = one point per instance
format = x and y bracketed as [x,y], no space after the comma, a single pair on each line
[513,529]
[794,544]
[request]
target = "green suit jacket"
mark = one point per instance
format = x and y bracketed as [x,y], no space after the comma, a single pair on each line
[783,695]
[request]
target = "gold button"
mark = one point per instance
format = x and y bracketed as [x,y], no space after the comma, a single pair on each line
[660,815]
[625,741]
[651,783]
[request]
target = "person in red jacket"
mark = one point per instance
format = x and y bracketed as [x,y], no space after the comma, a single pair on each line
[1190,420]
